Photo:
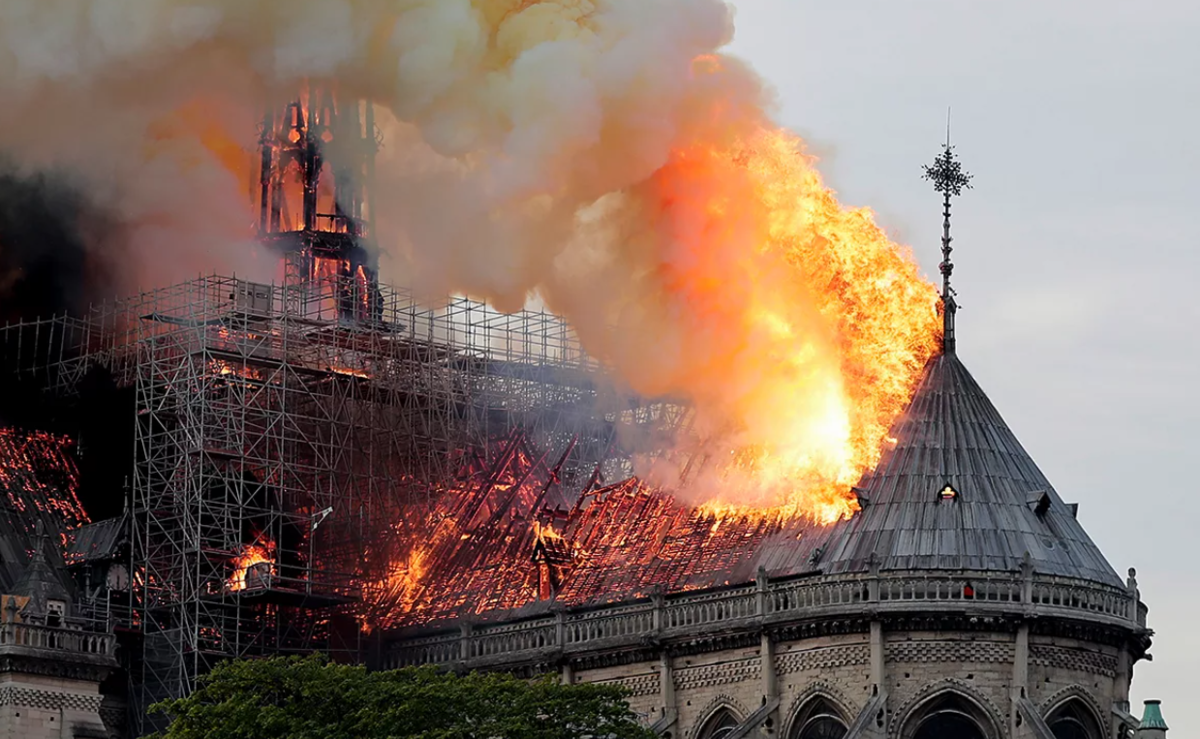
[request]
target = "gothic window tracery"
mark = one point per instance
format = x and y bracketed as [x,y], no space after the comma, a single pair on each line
[719,725]
[949,715]
[1072,720]
[948,725]
[818,719]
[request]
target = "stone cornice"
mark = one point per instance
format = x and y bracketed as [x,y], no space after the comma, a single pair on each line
[791,609]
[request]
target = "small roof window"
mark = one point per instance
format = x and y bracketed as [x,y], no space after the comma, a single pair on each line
[947,493]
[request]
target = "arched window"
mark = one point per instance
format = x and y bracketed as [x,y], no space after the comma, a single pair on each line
[818,719]
[1073,720]
[949,715]
[719,725]
[948,725]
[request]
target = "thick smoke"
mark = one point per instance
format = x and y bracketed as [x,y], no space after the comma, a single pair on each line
[56,252]
[587,151]
[541,106]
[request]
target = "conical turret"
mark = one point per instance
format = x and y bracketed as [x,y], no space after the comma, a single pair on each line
[1152,726]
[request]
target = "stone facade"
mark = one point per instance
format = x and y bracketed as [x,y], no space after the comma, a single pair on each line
[1019,654]
[40,707]
[51,665]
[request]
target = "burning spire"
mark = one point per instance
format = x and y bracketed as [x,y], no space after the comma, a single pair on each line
[316,164]
[948,178]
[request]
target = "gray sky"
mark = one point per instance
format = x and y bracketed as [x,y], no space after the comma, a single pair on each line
[1076,252]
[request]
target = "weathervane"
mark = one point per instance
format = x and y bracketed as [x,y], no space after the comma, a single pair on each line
[948,178]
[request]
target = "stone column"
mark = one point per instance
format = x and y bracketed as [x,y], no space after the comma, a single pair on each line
[878,678]
[1020,676]
[770,681]
[666,687]
[877,674]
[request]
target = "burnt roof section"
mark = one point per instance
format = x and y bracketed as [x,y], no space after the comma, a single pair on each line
[39,481]
[38,484]
[952,435]
[99,541]
[956,493]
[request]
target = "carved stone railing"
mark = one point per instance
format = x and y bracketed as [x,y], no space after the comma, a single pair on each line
[770,603]
[61,640]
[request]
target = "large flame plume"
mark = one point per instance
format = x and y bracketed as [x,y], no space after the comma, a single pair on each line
[603,155]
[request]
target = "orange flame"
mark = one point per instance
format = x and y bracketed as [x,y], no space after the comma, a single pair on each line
[251,556]
[806,327]
[350,372]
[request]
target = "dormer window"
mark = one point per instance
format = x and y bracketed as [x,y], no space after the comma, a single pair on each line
[947,493]
[1039,501]
[56,610]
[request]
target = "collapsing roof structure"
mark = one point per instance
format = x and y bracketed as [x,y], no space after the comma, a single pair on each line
[955,492]
[39,481]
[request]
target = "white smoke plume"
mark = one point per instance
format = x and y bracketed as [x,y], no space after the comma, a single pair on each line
[526,146]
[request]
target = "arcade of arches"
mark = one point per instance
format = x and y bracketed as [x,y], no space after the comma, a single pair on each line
[946,716]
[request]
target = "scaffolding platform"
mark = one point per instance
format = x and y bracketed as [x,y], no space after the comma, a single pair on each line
[262,416]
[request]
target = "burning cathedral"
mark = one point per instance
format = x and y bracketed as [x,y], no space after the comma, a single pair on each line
[322,463]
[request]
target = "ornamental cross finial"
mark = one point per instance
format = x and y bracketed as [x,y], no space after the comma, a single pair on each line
[948,178]
[947,174]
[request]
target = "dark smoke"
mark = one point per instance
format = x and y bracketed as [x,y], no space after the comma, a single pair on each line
[60,254]
[57,252]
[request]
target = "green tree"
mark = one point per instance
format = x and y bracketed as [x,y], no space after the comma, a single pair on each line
[311,698]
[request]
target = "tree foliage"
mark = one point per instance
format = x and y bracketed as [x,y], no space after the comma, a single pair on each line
[311,698]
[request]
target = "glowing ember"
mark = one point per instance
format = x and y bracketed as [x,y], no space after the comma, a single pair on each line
[223,368]
[39,482]
[350,372]
[253,568]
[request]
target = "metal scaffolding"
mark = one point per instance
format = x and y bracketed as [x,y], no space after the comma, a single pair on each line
[277,442]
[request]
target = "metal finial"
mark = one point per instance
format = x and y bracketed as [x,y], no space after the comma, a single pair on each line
[948,178]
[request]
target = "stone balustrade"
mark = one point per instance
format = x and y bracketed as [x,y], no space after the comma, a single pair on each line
[774,603]
[59,639]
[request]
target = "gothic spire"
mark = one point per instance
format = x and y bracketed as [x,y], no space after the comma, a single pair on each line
[948,178]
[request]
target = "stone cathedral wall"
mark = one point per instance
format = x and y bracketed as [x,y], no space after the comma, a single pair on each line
[918,666]
[878,652]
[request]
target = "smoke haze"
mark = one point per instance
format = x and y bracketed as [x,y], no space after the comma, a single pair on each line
[601,153]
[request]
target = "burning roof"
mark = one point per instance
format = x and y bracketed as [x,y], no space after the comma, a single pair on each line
[498,547]
[505,541]
[39,481]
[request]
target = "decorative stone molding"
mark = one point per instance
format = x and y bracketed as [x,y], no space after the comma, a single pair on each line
[712,643]
[714,705]
[723,673]
[822,659]
[1105,634]
[114,716]
[638,685]
[820,690]
[794,608]
[49,700]
[1078,660]
[34,664]
[949,652]
[1075,693]
[600,660]
[950,685]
